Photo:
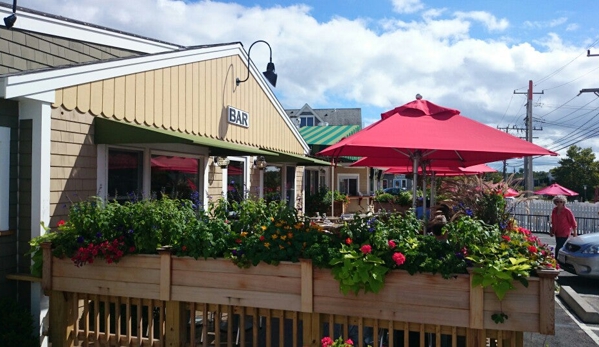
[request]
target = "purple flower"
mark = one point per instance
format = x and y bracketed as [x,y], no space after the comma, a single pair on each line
[80,239]
[99,235]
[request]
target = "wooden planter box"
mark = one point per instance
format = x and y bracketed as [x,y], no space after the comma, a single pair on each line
[422,298]
[339,209]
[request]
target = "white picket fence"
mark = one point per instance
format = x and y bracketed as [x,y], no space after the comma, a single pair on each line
[535,215]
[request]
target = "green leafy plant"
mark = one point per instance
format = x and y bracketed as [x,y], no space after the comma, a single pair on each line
[360,252]
[337,196]
[17,325]
[384,197]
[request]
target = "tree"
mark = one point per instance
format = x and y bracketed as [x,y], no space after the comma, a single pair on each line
[577,170]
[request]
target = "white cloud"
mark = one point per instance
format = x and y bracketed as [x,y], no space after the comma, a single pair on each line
[485,18]
[546,24]
[572,27]
[344,63]
[407,6]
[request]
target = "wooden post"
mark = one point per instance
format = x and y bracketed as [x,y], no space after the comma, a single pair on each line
[176,324]
[312,333]
[547,301]
[476,338]
[62,319]
[165,273]
[307,286]
[47,267]
[477,302]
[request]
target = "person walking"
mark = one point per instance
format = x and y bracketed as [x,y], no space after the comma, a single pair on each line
[563,223]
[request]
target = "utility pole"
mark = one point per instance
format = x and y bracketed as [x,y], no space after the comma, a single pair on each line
[506,129]
[590,90]
[528,172]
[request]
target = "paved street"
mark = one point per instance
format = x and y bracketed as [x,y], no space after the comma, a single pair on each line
[570,331]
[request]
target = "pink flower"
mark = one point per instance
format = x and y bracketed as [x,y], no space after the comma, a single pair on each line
[391,244]
[506,238]
[326,341]
[366,249]
[349,342]
[398,258]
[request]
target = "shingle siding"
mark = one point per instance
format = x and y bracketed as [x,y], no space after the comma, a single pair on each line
[25,51]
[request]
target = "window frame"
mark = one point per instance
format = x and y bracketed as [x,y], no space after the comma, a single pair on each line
[349,176]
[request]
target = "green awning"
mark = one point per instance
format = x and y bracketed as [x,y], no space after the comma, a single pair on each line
[280,157]
[327,135]
[115,132]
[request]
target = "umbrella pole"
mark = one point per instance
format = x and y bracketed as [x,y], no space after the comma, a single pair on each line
[415,159]
[433,189]
[332,187]
[424,219]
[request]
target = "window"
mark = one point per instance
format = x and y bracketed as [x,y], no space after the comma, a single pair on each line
[306,121]
[322,178]
[236,188]
[400,183]
[312,181]
[125,169]
[290,186]
[272,183]
[174,176]
[348,184]
[4,176]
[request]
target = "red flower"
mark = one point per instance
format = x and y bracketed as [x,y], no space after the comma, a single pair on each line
[532,249]
[238,241]
[366,249]
[60,223]
[262,238]
[131,249]
[506,238]
[326,341]
[391,244]
[184,248]
[398,258]
[348,241]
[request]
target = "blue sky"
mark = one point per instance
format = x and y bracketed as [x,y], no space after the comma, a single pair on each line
[376,55]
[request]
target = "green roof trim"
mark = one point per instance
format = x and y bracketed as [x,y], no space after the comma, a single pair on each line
[281,157]
[327,135]
[108,131]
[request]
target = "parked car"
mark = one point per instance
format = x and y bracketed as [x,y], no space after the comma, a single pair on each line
[393,190]
[580,255]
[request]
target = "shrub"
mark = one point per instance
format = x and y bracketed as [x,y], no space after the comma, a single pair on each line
[17,325]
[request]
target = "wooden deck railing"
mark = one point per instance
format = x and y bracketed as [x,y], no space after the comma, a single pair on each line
[169,301]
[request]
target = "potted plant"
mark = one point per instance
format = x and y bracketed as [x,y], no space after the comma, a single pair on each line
[339,199]
[360,267]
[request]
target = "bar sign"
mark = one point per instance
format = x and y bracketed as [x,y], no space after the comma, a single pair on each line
[239,117]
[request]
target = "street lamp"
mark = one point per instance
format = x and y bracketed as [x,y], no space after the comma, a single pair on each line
[11,19]
[270,74]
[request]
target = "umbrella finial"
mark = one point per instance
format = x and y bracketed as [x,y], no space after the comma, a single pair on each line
[418,97]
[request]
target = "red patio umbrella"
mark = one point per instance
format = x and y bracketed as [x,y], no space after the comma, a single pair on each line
[443,170]
[511,192]
[168,163]
[421,130]
[556,189]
